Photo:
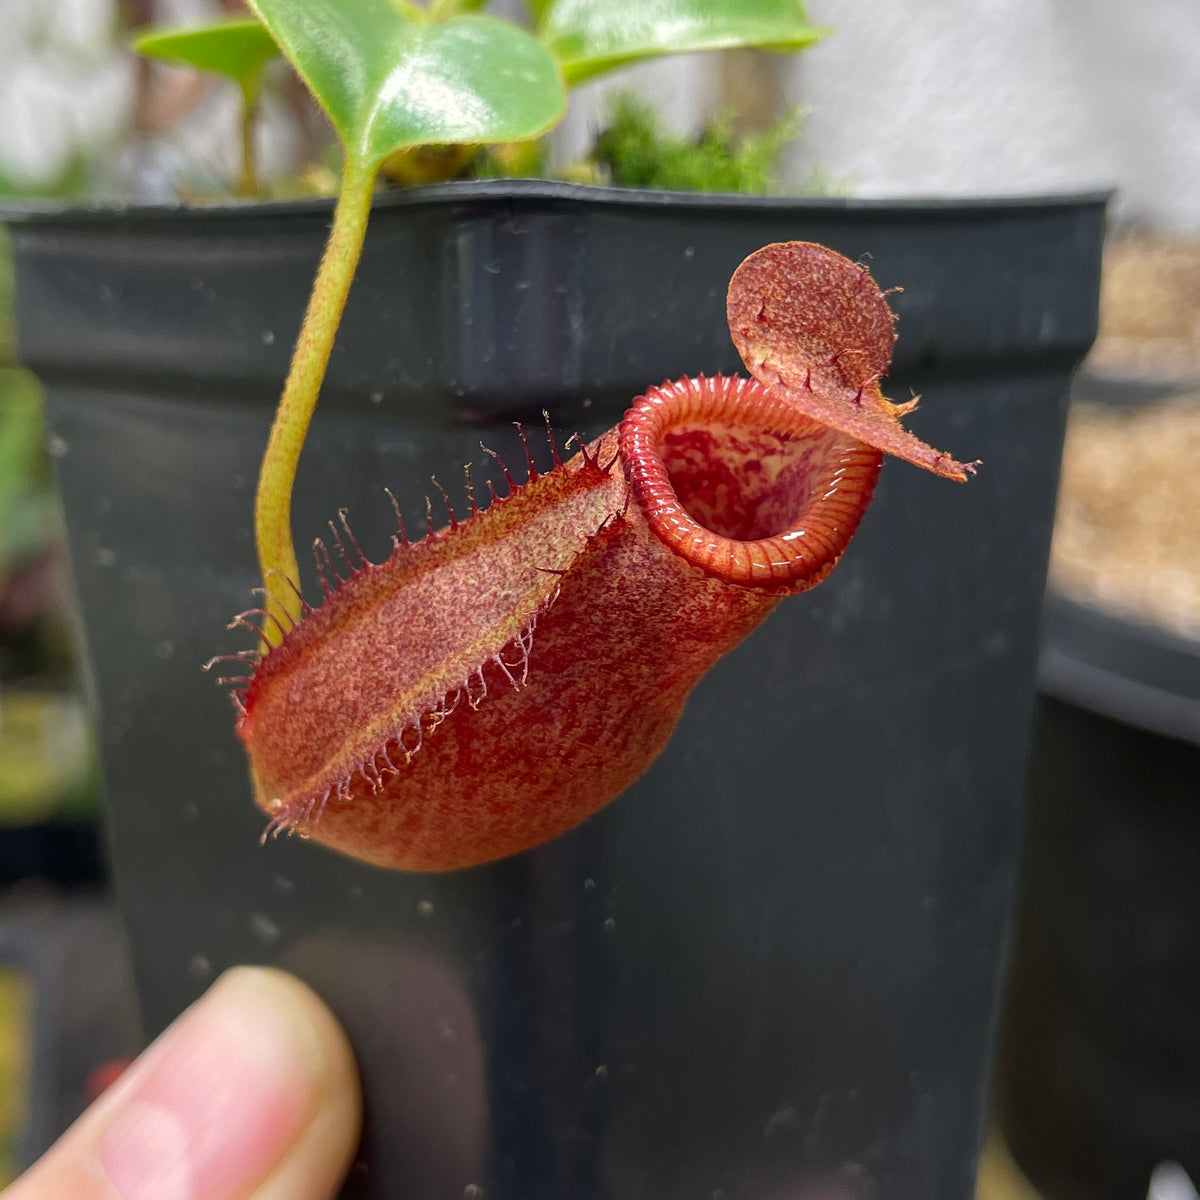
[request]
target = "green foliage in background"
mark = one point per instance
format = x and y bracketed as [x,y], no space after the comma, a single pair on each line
[8,327]
[50,769]
[26,498]
[404,84]
[239,49]
[47,755]
[590,37]
[26,501]
[636,150]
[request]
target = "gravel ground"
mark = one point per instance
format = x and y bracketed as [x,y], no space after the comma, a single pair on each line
[1127,537]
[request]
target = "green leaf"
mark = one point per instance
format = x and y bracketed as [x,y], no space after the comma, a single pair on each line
[388,82]
[590,37]
[239,48]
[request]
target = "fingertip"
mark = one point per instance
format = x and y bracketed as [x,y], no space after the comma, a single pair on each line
[317,1161]
[250,992]
[252,1092]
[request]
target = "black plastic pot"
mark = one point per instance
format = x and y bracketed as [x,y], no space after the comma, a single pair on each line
[1099,1078]
[1130,671]
[772,964]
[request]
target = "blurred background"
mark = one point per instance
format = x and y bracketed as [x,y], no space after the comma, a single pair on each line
[1098,1082]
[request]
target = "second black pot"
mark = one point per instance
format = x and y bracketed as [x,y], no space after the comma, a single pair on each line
[1099,1078]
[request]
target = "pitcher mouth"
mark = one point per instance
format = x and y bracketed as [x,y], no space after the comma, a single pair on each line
[739,483]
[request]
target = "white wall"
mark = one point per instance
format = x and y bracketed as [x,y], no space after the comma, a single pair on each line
[917,97]
[982,97]
[73,94]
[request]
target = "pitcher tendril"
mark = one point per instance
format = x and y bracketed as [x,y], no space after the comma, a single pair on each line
[273,502]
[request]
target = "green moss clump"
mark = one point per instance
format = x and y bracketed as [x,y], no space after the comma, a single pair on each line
[635,150]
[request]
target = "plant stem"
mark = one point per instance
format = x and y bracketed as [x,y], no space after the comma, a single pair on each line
[273,503]
[248,180]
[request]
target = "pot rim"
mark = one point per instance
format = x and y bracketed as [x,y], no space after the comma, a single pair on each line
[576,195]
[1120,666]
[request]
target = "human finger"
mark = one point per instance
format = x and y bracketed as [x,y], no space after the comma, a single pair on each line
[252,1094]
